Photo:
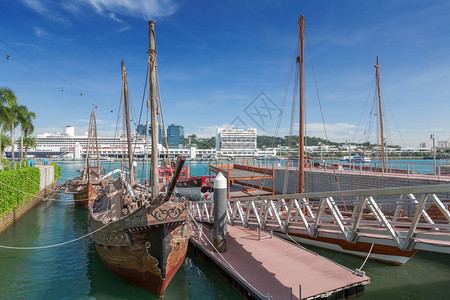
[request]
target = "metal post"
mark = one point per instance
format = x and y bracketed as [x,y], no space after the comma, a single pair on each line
[220,213]
[434,154]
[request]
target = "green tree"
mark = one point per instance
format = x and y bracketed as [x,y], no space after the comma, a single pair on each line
[7,115]
[29,142]
[25,118]
[5,141]
[11,121]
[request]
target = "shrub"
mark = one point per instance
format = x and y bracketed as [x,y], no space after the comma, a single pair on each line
[17,186]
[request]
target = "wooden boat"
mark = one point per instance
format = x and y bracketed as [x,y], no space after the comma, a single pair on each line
[390,254]
[141,232]
[85,188]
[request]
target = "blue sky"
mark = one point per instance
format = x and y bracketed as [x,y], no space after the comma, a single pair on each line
[215,58]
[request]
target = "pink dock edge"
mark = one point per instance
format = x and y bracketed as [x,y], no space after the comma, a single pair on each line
[272,266]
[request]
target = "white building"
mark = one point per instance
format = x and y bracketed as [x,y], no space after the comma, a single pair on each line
[236,142]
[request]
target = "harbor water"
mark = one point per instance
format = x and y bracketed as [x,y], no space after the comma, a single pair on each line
[74,270]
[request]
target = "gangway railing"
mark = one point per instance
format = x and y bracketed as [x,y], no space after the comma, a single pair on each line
[406,217]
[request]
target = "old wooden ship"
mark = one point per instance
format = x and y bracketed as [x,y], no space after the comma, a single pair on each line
[85,188]
[141,230]
[390,254]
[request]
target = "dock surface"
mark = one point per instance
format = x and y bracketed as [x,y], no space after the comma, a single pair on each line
[272,266]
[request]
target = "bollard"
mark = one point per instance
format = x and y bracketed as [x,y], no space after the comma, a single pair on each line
[220,213]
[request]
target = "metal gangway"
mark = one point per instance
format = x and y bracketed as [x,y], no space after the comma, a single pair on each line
[406,217]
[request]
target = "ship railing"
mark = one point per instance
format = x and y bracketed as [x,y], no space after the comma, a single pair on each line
[407,217]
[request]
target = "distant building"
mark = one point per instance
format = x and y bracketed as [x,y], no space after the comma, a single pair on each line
[175,135]
[442,144]
[423,145]
[236,142]
[141,128]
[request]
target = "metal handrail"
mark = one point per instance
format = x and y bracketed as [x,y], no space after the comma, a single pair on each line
[361,218]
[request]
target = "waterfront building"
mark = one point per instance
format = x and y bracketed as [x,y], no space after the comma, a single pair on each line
[236,142]
[175,135]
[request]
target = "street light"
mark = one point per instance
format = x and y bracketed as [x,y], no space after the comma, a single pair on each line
[434,154]
[321,157]
[349,152]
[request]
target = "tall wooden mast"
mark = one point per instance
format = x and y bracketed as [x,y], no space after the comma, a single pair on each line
[301,144]
[153,110]
[126,109]
[380,111]
[92,135]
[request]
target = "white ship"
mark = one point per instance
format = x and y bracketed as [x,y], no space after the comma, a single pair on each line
[69,146]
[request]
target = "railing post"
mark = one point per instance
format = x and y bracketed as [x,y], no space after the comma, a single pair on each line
[220,213]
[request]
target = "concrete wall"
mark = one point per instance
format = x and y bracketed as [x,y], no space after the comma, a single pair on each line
[47,182]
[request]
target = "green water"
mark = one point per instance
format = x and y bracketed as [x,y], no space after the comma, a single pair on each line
[74,271]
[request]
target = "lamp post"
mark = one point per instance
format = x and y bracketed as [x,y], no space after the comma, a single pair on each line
[434,154]
[321,156]
[349,152]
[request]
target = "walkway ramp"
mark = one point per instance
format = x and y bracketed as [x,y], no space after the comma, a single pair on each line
[391,224]
[273,267]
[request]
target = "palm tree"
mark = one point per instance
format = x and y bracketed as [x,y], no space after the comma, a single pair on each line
[11,121]
[6,114]
[29,142]
[5,141]
[25,119]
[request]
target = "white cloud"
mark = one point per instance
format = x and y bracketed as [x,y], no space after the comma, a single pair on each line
[142,8]
[108,8]
[40,33]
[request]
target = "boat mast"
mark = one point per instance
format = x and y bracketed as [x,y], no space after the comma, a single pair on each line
[126,109]
[383,158]
[153,110]
[301,144]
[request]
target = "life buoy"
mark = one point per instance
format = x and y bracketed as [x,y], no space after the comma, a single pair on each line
[244,161]
[289,163]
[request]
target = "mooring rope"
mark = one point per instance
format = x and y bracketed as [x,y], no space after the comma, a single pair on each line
[54,245]
[37,196]
[367,257]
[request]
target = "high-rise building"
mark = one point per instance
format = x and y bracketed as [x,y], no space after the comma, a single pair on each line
[236,142]
[142,127]
[175,135]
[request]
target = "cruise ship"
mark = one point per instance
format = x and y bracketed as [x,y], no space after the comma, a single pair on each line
[67,145]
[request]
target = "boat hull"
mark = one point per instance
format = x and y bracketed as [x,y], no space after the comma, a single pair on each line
[139,268]
[85,195]
[389,254]
[147,247]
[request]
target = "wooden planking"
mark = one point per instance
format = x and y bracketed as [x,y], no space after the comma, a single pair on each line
[273,266]
[232,173]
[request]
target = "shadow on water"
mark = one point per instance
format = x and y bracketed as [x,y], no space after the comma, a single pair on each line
[425,276]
